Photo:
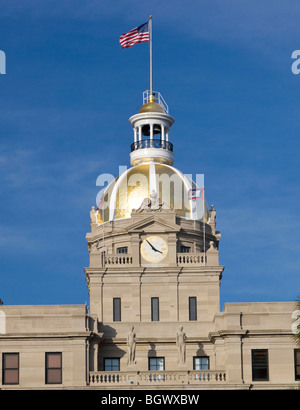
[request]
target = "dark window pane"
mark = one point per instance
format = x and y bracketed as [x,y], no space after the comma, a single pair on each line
[156,363]
[53,368]
[260,365]
[102,258]
[155,309]
[11,376]
[112,365]
[297,364]
[192,308]
[54,360]
[10,371]
[201,363]
[116,309]
[260,374]
[124,249]
[11,360]
[54,376]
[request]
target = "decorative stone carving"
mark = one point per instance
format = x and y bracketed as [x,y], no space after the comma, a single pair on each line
[180,341]
[211,246]
[95,356]
[93,217]
[212,219]
[93,247]
[212,214]
[151,204]
[131,344]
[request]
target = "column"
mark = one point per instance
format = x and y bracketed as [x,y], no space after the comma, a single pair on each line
[233,359]
[162,135]
[135,134]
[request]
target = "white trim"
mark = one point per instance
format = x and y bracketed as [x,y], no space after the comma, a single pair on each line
[151,154]
[152,178]
[2,322]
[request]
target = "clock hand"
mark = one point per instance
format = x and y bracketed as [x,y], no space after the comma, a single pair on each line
[156,250]
[151,245]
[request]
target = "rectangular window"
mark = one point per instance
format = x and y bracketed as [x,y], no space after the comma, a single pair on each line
[156,363]
[53,368]
[185,249]
[192,308]
[124,249]
[201,363]
[297,364]
[10,372]
[112,365]
[260,368]
[155,309]
[103,259]
[117,309]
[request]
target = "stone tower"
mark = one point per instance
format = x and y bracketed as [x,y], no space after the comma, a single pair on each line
[153,252]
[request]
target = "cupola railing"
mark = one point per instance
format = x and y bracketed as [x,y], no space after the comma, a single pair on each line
[151,143]
[158,98]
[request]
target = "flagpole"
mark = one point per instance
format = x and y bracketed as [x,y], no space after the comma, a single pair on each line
[204,224]
[151,72]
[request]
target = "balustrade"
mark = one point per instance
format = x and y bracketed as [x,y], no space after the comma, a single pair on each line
[148,378]
[118,259]
[183,259]
[191,258]
[152,143]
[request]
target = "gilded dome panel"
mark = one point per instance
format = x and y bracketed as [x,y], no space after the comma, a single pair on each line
[132,190]
[147,180]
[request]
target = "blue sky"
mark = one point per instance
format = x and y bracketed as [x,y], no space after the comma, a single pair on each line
[224,68]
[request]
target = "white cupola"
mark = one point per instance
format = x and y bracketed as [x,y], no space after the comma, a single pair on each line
[151,131]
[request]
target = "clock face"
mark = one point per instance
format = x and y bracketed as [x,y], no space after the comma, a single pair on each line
[154,249]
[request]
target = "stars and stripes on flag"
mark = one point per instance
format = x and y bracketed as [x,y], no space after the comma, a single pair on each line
[138,34]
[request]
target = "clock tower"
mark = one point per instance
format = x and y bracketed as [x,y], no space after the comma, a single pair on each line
[154,273]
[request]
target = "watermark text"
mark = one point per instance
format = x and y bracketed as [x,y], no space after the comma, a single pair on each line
[2,62]
[295,66]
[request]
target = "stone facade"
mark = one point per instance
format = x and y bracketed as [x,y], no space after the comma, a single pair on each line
[31,332]
[227,339]
[154,319]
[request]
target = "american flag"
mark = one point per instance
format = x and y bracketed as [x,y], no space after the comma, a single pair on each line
[138,34]
[195,193]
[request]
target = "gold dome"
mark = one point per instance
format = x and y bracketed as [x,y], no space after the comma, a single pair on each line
[151,106]
[146,180]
